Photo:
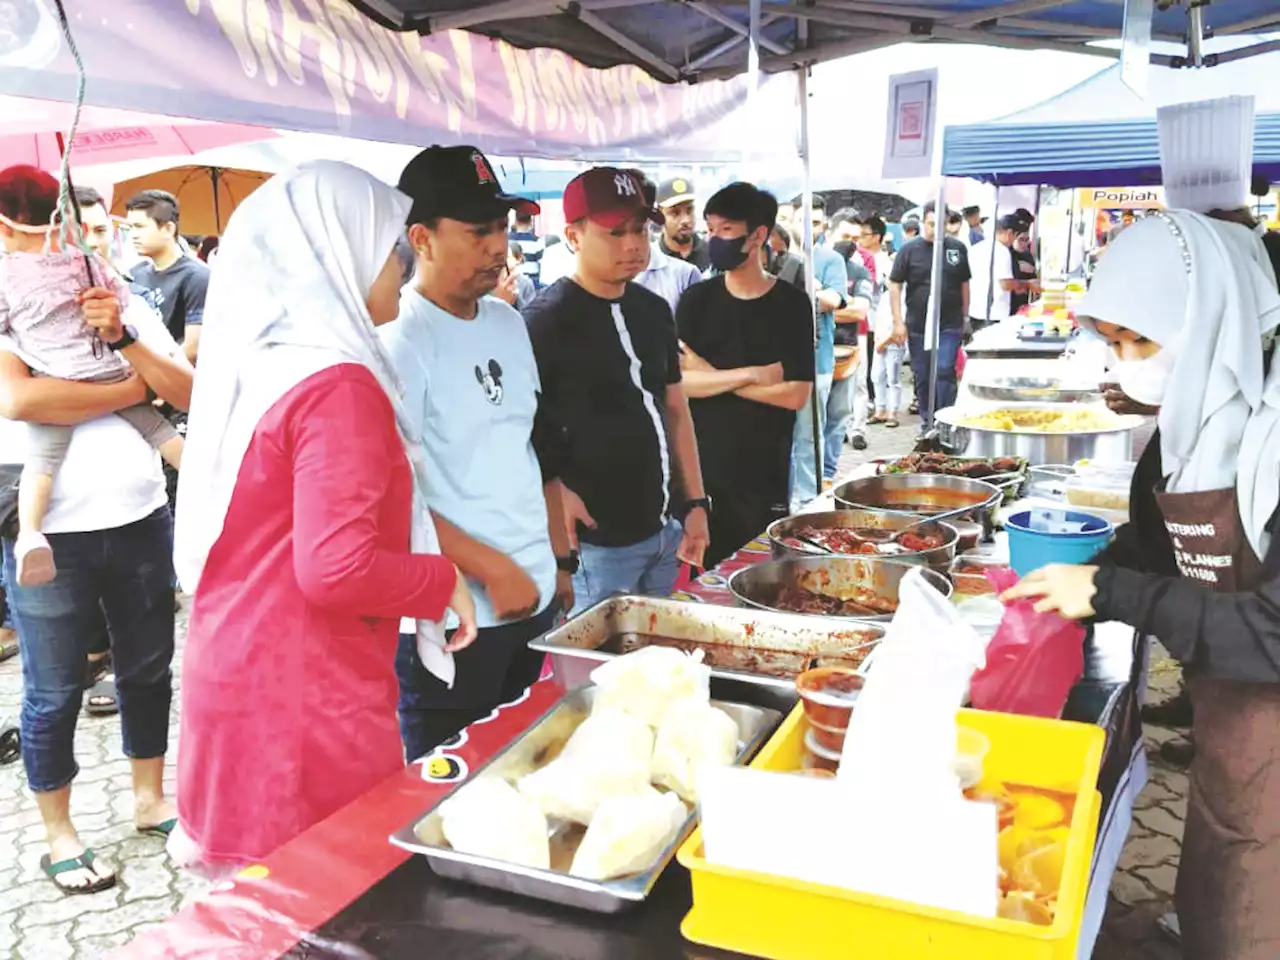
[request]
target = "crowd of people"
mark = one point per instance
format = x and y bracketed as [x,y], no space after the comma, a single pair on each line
[418,411]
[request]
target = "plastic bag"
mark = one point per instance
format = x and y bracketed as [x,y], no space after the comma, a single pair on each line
[608,755]
[1032,662]
[489,818]
[627,834]
[693,733]
[646,683]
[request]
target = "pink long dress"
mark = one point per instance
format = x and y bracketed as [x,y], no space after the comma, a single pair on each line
[288,680]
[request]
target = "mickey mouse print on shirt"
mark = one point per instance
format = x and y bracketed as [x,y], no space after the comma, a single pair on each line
[491,382]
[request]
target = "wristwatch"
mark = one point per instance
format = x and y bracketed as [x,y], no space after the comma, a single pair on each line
[695,502]
[128,337]
[568,564]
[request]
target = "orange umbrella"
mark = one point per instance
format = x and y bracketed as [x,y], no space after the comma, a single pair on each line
[207,196]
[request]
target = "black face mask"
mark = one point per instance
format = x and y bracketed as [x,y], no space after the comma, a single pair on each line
[727,254]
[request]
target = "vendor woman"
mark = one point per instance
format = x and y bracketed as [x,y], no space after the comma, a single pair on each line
[296,519]
[1189,305]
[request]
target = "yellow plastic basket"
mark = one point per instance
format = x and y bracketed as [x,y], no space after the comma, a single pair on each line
[784,919]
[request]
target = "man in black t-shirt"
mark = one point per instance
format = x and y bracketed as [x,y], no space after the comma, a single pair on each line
[748,357]
[174,283]
[679,238]
[610,371]
[1024,261]
[913,266]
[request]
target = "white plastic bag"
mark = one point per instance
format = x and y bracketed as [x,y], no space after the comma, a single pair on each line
[627,834]
[692,734]
[489,818]
[647,682]
[609,755]
[904,728]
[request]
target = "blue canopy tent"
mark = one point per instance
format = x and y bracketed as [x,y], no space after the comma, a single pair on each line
[1099,133]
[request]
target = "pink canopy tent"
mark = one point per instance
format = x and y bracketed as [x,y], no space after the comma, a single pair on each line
[31,131]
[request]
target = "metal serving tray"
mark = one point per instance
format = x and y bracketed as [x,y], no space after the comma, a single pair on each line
[778,645]
[530,751]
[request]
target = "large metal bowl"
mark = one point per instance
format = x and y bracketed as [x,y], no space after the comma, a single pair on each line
[916,494]
[759,584]
[939,558]
[1034,390]
[1112,445]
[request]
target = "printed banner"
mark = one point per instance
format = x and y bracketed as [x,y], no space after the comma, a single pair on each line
[320,65]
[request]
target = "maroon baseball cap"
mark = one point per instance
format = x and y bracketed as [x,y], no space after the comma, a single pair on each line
[607,195]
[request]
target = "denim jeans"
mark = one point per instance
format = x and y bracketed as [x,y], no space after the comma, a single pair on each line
[948,348]
[495,669]
[804,482]
[128,569]
[649,567]
[886,374]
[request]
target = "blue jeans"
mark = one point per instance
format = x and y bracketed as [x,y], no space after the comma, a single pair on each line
[128,569]
[886,374]
[495,669]
[804,482]
[948,349]
[649,567]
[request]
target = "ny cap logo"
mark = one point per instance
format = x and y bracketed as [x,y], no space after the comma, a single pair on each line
[483,173]
[625,184]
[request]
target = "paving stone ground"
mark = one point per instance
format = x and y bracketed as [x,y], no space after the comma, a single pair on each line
[39,923]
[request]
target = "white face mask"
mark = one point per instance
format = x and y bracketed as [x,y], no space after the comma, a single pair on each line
[1145,380]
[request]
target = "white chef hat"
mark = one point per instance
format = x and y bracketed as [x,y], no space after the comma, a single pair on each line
[1206,153]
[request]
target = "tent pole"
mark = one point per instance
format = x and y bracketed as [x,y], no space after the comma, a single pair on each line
[809,283]
[933,320]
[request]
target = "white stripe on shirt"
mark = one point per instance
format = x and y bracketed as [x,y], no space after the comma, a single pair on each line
[624,337]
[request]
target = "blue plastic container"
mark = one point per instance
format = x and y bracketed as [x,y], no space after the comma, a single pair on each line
[1029,549]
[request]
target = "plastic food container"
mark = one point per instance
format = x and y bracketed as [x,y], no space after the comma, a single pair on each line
[828,694]
[1108,491]
[829,738]
[818,757]
[970,532]
[971,755]
[781,919]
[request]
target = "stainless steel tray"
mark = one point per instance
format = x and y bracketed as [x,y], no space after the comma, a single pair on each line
[1035,389]
[529,751]
[770,641]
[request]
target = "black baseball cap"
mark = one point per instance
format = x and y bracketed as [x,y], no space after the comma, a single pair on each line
[675,191]
[974,211]
[1025,215]
[457,183]
[1011,221]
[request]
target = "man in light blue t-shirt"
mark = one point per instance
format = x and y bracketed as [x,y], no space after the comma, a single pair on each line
[472,393]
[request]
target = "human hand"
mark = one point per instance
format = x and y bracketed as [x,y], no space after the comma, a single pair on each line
[1120,402]
[512,592]
[575,512]
[507,288]
[769,375]
[101,310]
[691,361]
[564,591]
[899,333]
[464,605]
[1066,589]
[696,539]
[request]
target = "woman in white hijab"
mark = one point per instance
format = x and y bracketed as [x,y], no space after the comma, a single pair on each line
[298,504]
[1189,305]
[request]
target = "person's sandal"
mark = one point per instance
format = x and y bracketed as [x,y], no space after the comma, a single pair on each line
[891,424]
[161,830]
[101,701]
[8,644]
[82,862]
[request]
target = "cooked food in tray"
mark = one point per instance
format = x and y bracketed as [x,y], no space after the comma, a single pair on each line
[1032,420]
[862,603]
[978,468]
[863,540]
[849,650]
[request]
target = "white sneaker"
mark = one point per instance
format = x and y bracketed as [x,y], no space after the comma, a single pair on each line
[34,558]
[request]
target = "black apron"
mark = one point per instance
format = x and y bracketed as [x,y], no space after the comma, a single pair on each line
[1229,874]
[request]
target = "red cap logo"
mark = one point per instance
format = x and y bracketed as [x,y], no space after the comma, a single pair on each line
[483,173]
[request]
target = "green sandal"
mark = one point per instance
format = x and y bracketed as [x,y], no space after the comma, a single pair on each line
[82,862]
[161,830]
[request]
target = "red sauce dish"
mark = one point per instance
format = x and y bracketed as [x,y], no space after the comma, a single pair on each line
[829,694]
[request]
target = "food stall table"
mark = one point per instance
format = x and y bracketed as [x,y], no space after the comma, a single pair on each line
[1000,341]
[340,890]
